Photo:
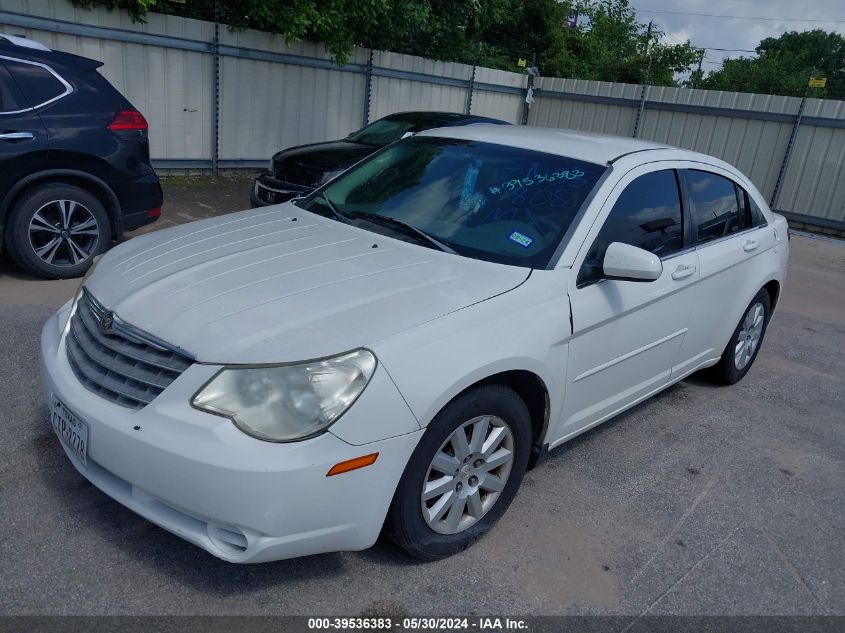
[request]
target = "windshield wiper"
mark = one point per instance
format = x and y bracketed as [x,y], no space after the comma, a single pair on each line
[402,227]
[337,215]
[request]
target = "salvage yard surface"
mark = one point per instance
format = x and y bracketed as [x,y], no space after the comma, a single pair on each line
[702,500]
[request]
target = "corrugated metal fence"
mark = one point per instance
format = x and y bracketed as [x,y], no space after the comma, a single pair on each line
[230,99]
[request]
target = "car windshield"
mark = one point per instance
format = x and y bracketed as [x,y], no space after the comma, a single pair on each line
[491,202]
[389,129]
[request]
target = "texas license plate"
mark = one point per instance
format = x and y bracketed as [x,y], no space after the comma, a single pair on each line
[72,431]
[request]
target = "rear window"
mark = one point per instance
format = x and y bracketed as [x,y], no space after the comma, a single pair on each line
[493,202]
[10,98]
[37,83]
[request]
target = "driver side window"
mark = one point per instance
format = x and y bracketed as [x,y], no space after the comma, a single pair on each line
[647,215]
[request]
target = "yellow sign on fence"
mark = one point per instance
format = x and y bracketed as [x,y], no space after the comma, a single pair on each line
[821,82]
[521,63]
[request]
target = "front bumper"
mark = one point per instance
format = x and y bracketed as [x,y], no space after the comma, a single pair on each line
[267,190]
[241,499]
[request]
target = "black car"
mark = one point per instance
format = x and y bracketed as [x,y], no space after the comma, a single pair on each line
[299,170]
[75,167]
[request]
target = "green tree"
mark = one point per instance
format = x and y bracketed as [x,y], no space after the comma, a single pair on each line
[784,65]
[612,45]
[608,44]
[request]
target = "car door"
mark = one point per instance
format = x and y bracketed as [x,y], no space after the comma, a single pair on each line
[626,334]
[728,231]
[23,139]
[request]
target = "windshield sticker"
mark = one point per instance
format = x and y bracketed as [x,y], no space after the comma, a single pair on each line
[537,179]
[521,239]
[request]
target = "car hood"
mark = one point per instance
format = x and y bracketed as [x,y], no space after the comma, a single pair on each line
[280,284]
[323,157]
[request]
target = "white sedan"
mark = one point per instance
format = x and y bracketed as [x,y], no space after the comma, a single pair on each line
[396,349]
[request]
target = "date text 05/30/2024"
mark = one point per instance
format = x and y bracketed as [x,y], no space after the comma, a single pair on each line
[418,624]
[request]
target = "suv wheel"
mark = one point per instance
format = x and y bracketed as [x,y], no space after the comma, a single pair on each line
[463,475]
[56,230]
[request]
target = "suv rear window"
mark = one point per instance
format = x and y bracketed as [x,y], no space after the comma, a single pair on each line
[37,83]
[10,97]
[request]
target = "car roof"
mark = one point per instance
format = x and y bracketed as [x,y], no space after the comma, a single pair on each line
[32,50]
[457,118]
[587,146]
[24,42]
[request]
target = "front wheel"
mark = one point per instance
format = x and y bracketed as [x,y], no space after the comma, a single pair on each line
[742,349]
[463,475]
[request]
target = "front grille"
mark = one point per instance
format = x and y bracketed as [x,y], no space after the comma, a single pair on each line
[297,174]
[119,363]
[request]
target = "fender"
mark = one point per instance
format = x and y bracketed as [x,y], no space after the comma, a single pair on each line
[112,206]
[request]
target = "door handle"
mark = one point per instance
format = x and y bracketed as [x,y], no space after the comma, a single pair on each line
[681,272]
[16,136]
[750,245]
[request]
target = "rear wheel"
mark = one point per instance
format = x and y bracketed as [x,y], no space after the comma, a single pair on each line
[463,475]
[55,231]
[742,349]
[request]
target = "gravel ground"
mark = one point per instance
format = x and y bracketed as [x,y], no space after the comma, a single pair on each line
[703,500]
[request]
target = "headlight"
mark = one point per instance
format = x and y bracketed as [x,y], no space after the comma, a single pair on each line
[331,175]
[288,402]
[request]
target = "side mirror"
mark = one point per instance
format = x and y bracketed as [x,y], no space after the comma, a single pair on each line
[629,263]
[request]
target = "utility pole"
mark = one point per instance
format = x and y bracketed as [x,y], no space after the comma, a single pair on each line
[698,72]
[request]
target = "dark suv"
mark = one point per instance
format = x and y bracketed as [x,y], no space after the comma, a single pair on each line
[75,167]
[297,171]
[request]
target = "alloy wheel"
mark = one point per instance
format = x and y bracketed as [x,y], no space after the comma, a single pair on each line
[749,335]
[64,233]
[467,474]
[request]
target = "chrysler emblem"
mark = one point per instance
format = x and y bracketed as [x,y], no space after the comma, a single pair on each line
[107,321]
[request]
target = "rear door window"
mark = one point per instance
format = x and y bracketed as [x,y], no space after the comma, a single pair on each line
[750,208]
[11,99]
[37,83]
[716,206]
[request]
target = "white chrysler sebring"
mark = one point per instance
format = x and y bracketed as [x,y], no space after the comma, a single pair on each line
[396,349]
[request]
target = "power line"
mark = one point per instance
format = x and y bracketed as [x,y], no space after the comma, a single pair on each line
[730,50]
[739,17]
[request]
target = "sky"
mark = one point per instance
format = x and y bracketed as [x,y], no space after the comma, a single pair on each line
[746,34]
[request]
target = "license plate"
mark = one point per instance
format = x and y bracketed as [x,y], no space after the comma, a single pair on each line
[72,431]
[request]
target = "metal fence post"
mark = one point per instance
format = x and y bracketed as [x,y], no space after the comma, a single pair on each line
[641,109]
[785,163]
[640,112]
[368,88]
[470,90]
[529,91]
[215,106]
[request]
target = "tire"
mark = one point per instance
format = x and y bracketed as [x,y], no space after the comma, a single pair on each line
[55,230]
[730,370]
[508,419]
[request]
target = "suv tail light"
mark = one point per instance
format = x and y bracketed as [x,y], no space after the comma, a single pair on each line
[128,120]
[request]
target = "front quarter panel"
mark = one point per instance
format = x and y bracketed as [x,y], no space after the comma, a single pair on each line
[527,328]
